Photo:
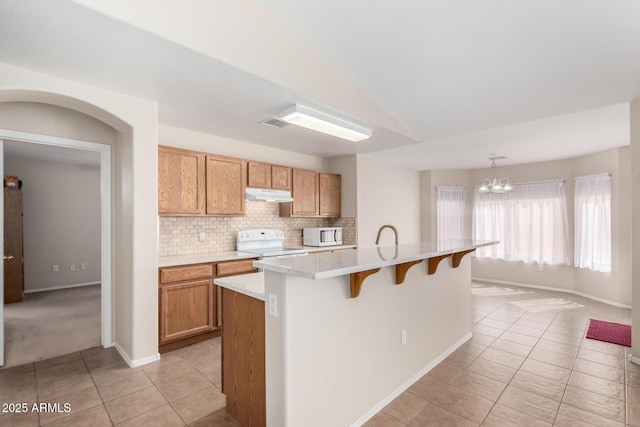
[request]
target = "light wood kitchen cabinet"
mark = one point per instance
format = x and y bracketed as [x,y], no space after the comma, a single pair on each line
[329,195]
[259,175]
[226,185]
[280,177]
[314,195]
[305,195]
[190,304]
[187,301]
[186,309]
[265,175]
[181,182]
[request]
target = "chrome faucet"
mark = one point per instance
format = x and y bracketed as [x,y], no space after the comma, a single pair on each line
[395,231]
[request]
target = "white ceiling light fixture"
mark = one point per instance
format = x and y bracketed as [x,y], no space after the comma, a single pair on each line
[322,122]
[495,185]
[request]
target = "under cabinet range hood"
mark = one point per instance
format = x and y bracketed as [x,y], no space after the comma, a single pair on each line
[266,195]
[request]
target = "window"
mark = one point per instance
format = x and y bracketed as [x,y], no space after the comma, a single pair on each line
[530,222]
[450,208]
[592,210]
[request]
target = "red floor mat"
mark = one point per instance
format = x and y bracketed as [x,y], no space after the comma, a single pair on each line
[615,333]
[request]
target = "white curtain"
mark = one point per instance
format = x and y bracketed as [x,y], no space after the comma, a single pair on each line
[530,222]
[592,208]
[450,219]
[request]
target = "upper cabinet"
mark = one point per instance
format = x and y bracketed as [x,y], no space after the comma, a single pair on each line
[314,195]
[226,185]
[259,175]
[265,175]
[191,183]
[305,193]
[280,177]
[181,182]
[330,185]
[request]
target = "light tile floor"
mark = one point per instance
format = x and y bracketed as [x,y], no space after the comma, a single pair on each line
[183,388]
[528,364]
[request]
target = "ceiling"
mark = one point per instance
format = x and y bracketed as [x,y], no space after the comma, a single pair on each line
[441,83]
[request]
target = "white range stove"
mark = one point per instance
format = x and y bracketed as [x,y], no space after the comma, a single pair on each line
[266,243]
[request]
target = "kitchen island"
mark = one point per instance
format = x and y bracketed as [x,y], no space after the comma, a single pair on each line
[347,332]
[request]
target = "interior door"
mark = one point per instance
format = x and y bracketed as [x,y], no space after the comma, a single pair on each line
[13,253]
[2,252]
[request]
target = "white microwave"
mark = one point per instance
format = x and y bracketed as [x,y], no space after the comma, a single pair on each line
[322,236]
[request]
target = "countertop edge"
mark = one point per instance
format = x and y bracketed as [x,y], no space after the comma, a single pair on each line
[203,258]
[246,284]
[269,266]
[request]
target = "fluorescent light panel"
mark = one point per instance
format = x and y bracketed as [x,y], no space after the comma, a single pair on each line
[321,122]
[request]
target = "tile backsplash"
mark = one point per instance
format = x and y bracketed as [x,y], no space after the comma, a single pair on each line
[179,235]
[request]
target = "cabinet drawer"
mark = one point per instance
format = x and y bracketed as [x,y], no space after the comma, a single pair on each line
[185,272]
[229,268]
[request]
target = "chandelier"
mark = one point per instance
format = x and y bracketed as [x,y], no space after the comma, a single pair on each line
[495,185]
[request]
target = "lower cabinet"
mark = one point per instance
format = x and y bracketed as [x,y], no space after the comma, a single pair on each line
[190,304]
[243,358]
[187,309]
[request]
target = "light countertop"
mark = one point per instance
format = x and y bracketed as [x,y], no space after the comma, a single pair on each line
[171,261]
[325,265]
[248,284]
[218,256]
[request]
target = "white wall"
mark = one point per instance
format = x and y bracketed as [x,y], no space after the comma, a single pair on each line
[135,241]
[635,229]
[208,143]
[387,194]
[346,166]
[53,120]
[61,207]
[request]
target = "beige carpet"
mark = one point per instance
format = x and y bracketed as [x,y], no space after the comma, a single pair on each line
[52,323]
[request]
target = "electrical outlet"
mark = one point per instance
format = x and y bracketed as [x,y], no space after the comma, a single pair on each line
[83,266]
[273,305]
[56,268]
[72,267]
[201,236]
[540,267]
[403,337]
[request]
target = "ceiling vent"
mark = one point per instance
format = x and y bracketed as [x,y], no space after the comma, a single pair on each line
[274,123]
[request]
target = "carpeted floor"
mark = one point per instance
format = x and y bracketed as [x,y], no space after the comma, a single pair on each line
[52,323]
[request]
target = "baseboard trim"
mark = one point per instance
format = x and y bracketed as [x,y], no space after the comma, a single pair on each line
[397,392]
[137,362]
[550,288]
[633,359]
[55,288]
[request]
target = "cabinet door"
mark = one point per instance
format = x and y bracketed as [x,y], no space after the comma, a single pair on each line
[181,186]
[305,193]
[187,309]
[226,184]
[280,177]
[259,175]
[330,193]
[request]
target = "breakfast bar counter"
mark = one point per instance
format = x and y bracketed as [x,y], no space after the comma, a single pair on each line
[344,332]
